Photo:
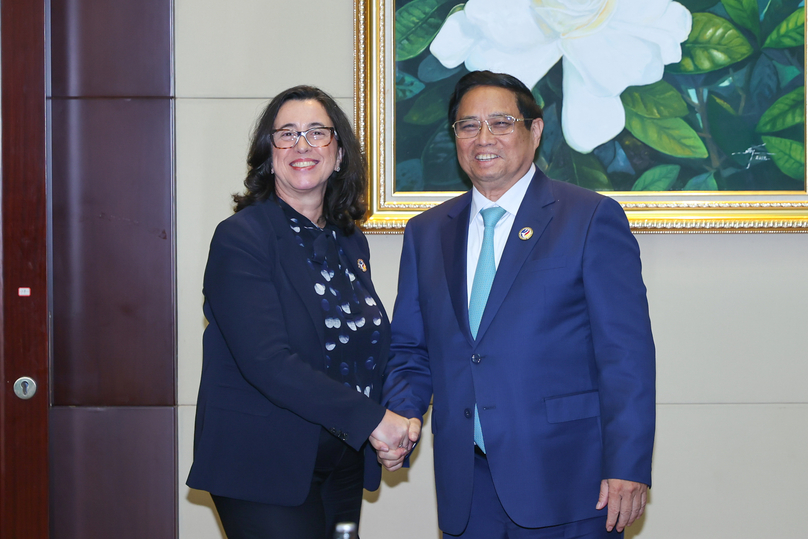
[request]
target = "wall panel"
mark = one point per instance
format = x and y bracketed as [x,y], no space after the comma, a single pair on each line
[113,450]
[113,252]
[110,475]
[103,48]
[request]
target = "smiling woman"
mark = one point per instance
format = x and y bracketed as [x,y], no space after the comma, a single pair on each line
[297,339]
[303,164]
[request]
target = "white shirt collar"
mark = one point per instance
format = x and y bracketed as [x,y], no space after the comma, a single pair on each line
[510,201]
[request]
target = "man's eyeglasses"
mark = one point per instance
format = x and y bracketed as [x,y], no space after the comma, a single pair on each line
[497,125]
[316,137]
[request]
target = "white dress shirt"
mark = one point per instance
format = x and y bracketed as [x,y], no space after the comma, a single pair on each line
[510,202]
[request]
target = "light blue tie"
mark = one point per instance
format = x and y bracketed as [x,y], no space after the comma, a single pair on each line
[480,288]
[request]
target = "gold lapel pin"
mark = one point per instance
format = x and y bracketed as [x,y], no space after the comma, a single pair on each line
[361,264]
[526,233]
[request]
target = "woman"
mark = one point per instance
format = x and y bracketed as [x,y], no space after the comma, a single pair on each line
[297,338]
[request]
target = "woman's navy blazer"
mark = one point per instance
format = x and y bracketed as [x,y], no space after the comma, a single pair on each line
[264,393]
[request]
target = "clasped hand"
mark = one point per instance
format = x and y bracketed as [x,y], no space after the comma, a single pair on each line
[394,438]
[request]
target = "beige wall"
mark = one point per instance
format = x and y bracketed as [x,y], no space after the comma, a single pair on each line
[728,310]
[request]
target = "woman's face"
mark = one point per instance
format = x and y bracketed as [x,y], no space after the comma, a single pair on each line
[301,172]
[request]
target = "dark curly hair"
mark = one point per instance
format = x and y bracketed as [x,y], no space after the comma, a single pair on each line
[344,202]
[525,101]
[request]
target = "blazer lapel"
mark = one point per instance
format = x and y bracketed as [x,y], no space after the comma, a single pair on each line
[454,236]
[535,213]
[295,266]
[358,260]
[360,266]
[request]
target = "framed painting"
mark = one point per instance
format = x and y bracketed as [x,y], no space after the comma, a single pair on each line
[691,113]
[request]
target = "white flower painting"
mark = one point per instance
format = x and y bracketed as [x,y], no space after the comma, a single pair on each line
[605,45]
[642,95]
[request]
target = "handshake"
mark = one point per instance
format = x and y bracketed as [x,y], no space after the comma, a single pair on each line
[394,438]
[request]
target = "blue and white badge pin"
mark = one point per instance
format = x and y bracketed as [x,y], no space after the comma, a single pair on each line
[361,265]
[526,233]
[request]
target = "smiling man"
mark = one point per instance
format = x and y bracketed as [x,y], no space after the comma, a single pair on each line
[522,314]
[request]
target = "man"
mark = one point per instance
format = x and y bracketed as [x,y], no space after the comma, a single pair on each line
[555,365]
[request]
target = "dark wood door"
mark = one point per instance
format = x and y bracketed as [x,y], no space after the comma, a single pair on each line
[23,283]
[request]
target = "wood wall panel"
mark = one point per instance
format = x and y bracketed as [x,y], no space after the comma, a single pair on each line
[23,264]
[113,282]
[112,475]
[113,427]
[111,48]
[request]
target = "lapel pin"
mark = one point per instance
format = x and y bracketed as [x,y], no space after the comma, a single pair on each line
[361,264]
[526,233]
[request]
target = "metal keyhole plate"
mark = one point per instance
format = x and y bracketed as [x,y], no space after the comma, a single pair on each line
[25,387]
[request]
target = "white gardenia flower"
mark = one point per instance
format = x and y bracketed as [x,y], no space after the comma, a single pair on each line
[606,46]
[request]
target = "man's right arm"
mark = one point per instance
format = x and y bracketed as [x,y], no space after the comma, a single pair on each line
[407,386]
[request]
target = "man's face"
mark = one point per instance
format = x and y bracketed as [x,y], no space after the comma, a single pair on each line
[495,162]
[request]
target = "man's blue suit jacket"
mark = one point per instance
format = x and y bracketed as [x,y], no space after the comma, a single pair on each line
[563,368]
[264,395]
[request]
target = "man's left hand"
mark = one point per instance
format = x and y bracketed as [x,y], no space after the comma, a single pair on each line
[626,501]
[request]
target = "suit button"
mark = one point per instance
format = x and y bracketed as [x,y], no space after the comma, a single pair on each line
[476,358]
[467,412]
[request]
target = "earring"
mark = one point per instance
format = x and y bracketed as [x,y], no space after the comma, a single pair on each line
[336,169]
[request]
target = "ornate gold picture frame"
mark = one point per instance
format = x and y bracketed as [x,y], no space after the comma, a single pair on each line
[649,212]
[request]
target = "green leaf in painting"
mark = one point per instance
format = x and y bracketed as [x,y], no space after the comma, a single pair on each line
[787,73]
[775,12]
[431,70]
[787,111]
[659,178]
[724,105]
[409,176]
[713,43]
[657,100]
[671,136]
[458,7]
[730,132]
[588,172]
[431,105]
[407,86]
[788,155]
[537,95]
[789,33]
[439,162]
[702,182]
[764,82]
[745,13]
[417,24]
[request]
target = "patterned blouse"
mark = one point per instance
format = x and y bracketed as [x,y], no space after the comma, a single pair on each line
[350,314]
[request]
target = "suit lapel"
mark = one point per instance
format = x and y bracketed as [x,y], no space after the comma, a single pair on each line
[359,264]
[295,266]
[454,236]
[358,258]
[535,213]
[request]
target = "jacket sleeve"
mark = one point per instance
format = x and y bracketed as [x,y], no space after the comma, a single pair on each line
[242,295]
[623,344]
[407,386]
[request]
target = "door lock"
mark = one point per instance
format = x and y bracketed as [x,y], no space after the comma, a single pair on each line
[25,387]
